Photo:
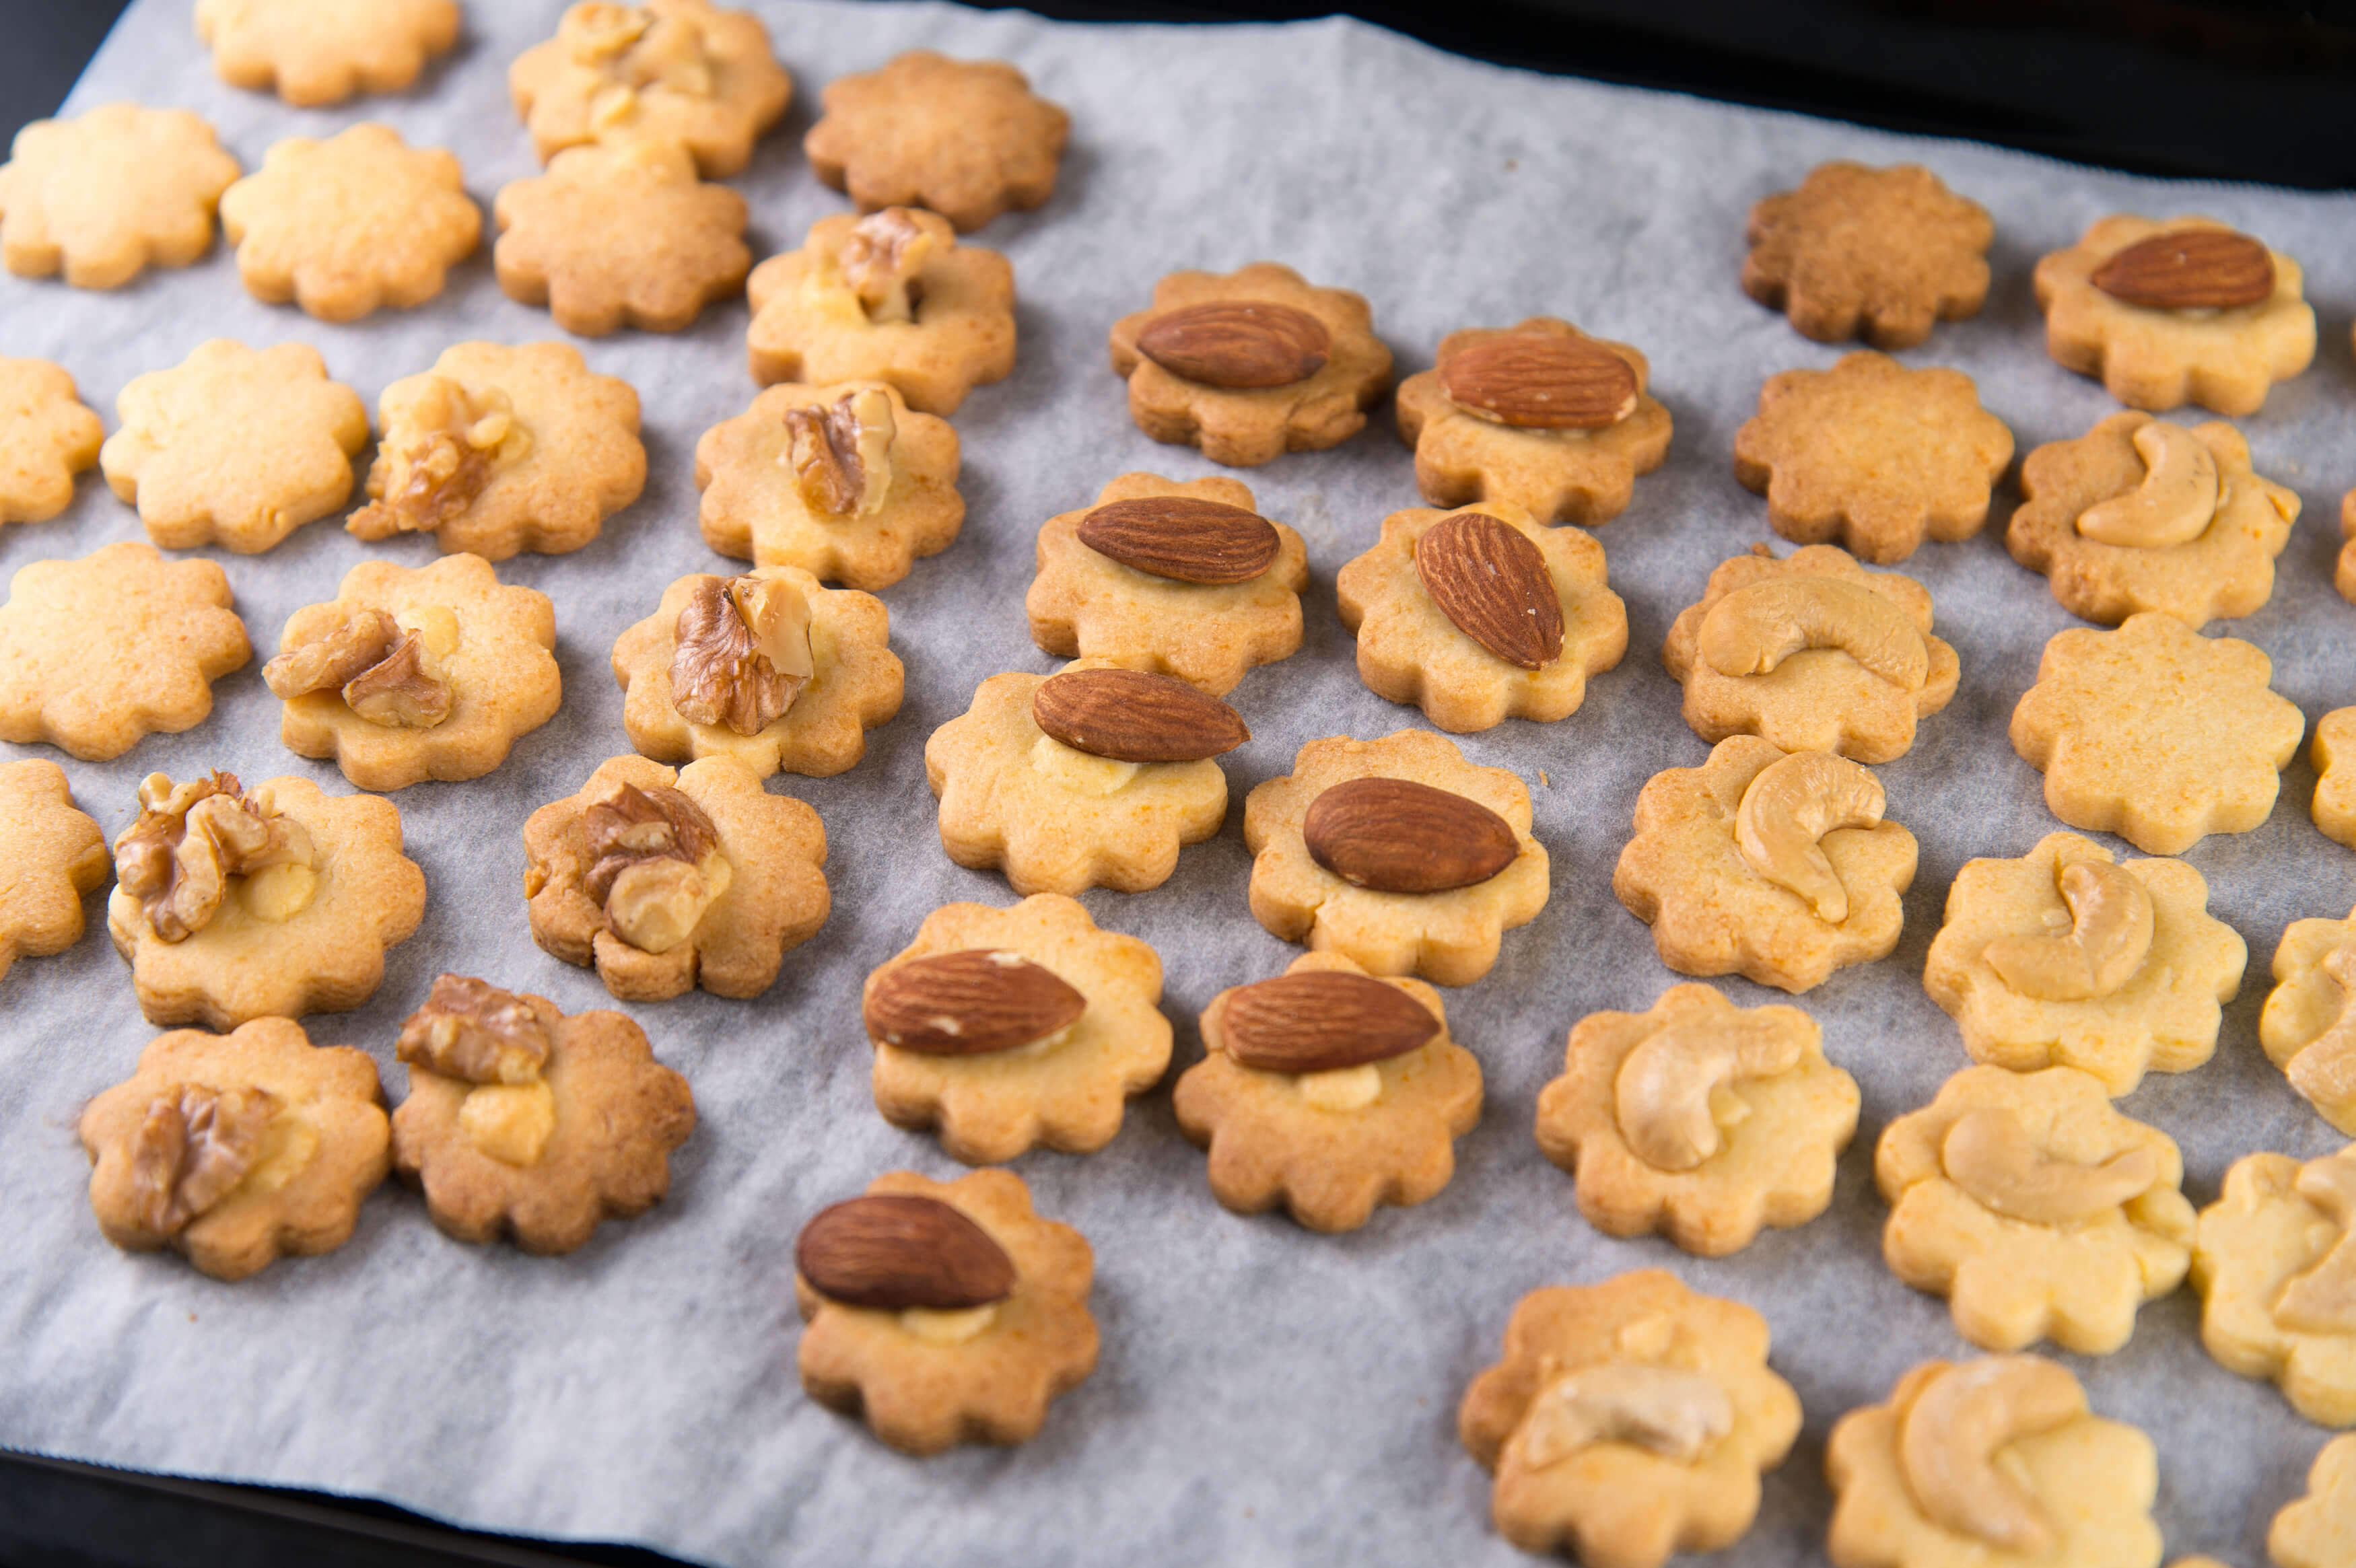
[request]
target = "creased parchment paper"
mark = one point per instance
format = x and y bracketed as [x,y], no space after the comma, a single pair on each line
[1265,1395]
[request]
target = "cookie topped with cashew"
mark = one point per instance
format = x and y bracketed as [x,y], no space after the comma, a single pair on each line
[2309,1027]
[668,71]
[2275,1266]
[51,855]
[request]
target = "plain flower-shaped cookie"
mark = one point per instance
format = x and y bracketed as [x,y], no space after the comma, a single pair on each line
[2064,957]
[235,446]
[967,139]
[2319,1531]
[2162,774]
[1319,1092]
[1813,653]
[47,437]
[1538,416]
[2309,1027]
[1809,884]
[627,236]
[317,52]
[1003,1030]
[2334,755]
[2185,527]
[50,855]
[1881,254]
[97,651]
[1480,615]
[1252,365]
[1698,1119]
[104,196]
[2276,1267]
[1628,1420]
[668,71]
[1874,454]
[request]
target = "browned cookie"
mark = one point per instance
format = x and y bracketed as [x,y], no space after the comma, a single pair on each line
[624,236]
[50,855]
[1879,254]
[967,139]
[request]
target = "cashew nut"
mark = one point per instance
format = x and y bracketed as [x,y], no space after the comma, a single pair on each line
[1989,1155]
[2325,1068]
[2110,933]
[2175,502]
[1753,629]
[1666,1411]
[1954,1430]
[2323,1299]
[1667,1090]
[1789,806]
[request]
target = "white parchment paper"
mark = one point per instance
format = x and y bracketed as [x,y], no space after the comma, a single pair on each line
[1265,1395]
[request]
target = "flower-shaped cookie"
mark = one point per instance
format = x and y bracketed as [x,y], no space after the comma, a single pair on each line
[1480,615]
[1777,866]
[2334,755]
[844,482]
[665,880]
[1250,365]
[1185,579]
[623,236]
[524,1123]
[1628,1420]
[47,437]
[2319,1531]
[888,297]
[97,651]
[2064,958]
[237,1149]
[1398,854]
[1991,1461]
[668,71]
[2275,1266]
[2343,574]
[316,53]
[1813,653]
[1538,416]
[1874,454]
[500,449]
[2035,1208]
[2141,515]
[1006,1029]
[413,675]
[2156,733]
[1330,1091]
[967,139]
[1698,1119]
[50,854]
[943,1312]
[2167,314]
[2309,1027]
[714,648]
[1881,254]
[1095,776]
[104,196]
[345,226]
[235,446]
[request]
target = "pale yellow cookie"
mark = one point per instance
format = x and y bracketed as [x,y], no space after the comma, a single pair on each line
[2319,1531]
[50,855]
[2309,1027]
[47,437]
[668,71]
[2333,752]
[102,197]
[2275,1266]
[613,236]
[317,52]
[967,139]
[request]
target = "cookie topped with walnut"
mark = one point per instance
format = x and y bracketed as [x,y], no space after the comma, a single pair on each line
[668,70]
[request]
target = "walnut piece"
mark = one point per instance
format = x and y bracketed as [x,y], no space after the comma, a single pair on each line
[841,456]
[883,261]
[398,693]
[436,457]
[193,1149]
[359,643]
[655,865]
[635,49]
[190,838]
[470,1028]
[743,653]
[387,672]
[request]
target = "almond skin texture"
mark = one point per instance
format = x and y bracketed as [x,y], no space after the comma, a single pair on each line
[1535,381]
[1398,837]
[2190,269]
[1132,716]
[970,1003]
[1181,538]
[895,1251]
[1493,582]
[1318,1020]
[1240,345]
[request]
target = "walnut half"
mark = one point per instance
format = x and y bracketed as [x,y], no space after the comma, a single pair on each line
[193,1149]
[383,668]
[655,865]
[438,453]
[884,260]
[470,1028]
[743,653]
[841,456]
[190,838]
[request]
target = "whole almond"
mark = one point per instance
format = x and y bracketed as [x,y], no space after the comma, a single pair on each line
[1535,380]
[1395,835]
[1181,538]
[1320,1021]
[1491,582]
[1240,345]
[1133,717]
[898,1250]
[2190,269]
[968,1003]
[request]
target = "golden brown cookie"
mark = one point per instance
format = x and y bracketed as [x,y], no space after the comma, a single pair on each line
[47,437]
[967,139]
[943,1312]
[104,196]
[2162,775]
[1874,454]
[1881,254]
[1698,1119]
[1330,1091]
[668,71]
[2319,1531]
[235,446]
[50,855]
[317,52]
[1396,854]
[97,651]
[665,880]
[2309,1027]
[237,1149]
[625,236]
[1628,1420]
[2275,1266]
[888,297]
[526,1123]
[1480,615]
[1252,365]
[1003,1030]
[2334,806]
